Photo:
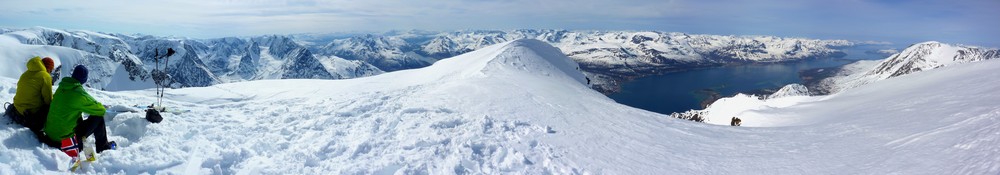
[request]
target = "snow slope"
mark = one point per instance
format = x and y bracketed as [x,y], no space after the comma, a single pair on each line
[918,57]
[521,107]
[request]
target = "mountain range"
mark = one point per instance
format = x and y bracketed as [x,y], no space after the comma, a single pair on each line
[915,58]
[606,57]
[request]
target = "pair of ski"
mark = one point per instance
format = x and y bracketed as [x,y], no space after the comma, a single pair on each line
[174,111]
[136,109]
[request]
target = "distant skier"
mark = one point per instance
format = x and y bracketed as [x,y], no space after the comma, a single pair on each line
[33,96]
[65,124]
[736,122]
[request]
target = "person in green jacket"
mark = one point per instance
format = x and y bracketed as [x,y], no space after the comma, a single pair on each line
[34,95]
[65,124]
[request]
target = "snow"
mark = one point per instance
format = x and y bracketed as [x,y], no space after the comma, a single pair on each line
[521,107]
[270,64]
[918,57]
[120,81]
[347,68]
[849,76]
[790,90]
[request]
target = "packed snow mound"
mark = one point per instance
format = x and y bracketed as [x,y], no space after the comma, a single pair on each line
[723,110]
[790,90]
[489,112]
[536,57]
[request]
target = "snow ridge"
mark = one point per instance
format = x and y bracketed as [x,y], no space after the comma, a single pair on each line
[536,57]
[790,90]
[918,57]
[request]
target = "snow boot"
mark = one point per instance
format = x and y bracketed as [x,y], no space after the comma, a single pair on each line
[107,146]
[74,164]
[90,153]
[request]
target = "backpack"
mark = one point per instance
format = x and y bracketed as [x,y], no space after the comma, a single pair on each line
[11,112]
[152,115]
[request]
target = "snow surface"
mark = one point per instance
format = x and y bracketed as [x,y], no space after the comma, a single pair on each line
[521,107]
[918,57]
[790,90]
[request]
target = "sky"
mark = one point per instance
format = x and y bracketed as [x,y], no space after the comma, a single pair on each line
[970,22]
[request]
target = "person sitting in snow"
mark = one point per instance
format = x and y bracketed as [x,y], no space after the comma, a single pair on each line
[735,122]
[33,96]
[65,124]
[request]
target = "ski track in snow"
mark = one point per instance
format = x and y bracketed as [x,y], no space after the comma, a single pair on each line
[520,108]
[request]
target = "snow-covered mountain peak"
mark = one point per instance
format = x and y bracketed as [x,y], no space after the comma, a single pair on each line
[918,57]
[790,90]
[516,60]
[536,57]
[386,53]
[929,55]
[367,42]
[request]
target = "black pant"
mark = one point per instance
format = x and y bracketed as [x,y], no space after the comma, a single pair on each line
[35,121]
[93,125]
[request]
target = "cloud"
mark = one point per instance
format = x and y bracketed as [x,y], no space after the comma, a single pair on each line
[962,21]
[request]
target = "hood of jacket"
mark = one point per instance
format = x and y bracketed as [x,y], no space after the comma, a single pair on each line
[35,64]
[69,83]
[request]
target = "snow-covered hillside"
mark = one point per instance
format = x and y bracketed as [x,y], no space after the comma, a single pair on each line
[521,107]
[918,57]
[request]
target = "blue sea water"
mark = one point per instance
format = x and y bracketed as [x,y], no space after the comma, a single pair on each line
[682,91]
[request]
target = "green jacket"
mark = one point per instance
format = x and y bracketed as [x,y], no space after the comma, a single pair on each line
[68,105]
[34,88]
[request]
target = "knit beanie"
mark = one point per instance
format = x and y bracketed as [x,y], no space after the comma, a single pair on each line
[49,65]
[80,74]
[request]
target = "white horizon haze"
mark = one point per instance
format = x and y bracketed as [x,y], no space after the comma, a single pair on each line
[971,22]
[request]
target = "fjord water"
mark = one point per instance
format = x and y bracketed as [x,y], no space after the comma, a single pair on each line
[682,91]
[685,90]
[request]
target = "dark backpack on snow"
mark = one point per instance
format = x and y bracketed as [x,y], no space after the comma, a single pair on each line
[11,112]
